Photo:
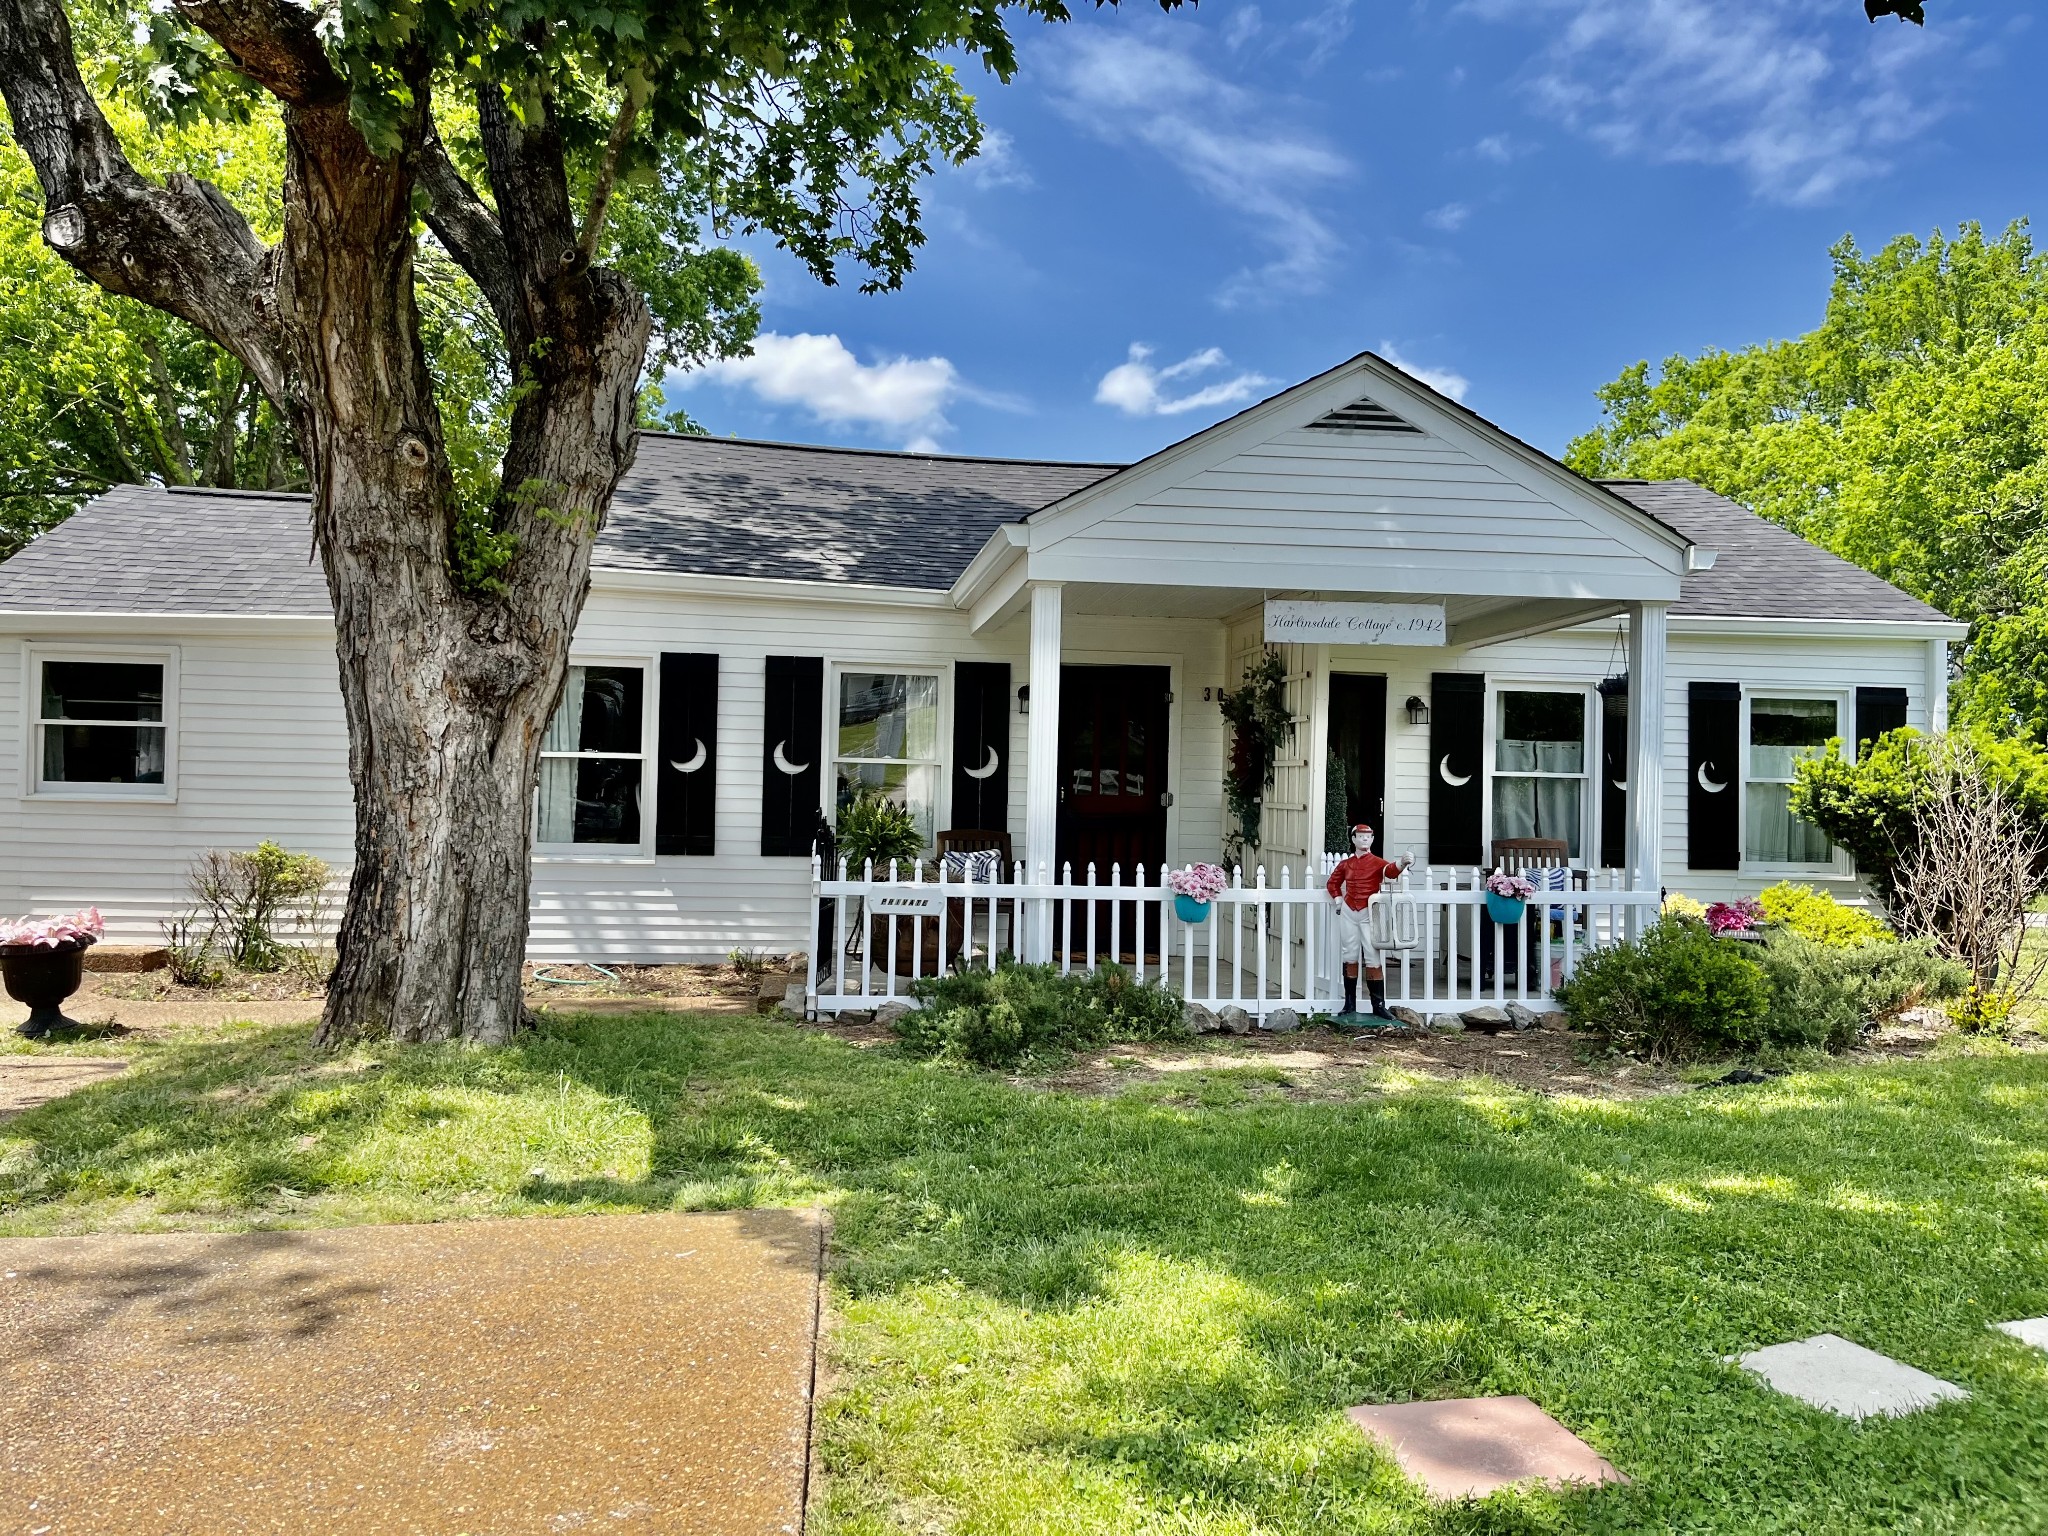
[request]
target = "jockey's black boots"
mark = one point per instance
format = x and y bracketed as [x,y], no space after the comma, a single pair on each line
[1351,994]
[1377,989]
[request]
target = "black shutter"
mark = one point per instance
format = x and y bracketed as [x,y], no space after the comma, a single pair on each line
[686,806]
[791,733]
[1457,763]
[981,746]
[1613,776]
[1714,788]
[1878,710]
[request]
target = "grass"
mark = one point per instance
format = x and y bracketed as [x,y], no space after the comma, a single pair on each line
[1146,1312]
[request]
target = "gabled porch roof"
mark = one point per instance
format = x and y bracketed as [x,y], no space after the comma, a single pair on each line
[1361,482]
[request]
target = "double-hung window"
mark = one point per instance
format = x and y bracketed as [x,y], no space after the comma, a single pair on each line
[888,740]
[1539,766]
[593,760]
[101,725]
[1781,731]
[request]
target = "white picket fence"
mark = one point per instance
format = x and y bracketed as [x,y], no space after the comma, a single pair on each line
[1266,943]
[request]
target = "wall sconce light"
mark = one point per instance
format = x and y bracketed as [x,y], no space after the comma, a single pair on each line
[1024,700]
[1418,712]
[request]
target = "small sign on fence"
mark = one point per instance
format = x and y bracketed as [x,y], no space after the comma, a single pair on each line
[1355,623]
[905,903]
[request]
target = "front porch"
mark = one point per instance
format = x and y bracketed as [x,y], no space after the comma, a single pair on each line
[1263,945]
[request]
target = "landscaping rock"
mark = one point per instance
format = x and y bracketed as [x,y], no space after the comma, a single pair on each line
[889,1013]
[1234,1019]
[1520,1017]
[1200,1019]
[855,1016]
[793,999]
[1552,1018]
[1281,1021]
[1488,1020]
[1447,1024]
[1409,1017]
[127,957]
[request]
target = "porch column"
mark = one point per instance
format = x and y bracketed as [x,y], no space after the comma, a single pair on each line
[1646,704]
[1937,687]
[1042,752]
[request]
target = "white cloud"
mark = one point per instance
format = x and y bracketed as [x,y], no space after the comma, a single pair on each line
[997,165]
[1242,27]
[1800,96]
[1450,218]
[900,397]
[1226,141]
[1444,381]
[1137,388]
[1498,148]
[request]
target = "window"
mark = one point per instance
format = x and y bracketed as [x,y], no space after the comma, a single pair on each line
[888,740]
[592,762]
[1781,731]
[1539,767]
[100,726]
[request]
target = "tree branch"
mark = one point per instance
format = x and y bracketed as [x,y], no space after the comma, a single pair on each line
[182,247]
[607,176]
[469,232]
[274,44]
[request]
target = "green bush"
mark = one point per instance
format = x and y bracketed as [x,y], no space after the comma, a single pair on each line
[1826,994]
[1675,991]
[1818,916]
[1019,1013]
[872,826]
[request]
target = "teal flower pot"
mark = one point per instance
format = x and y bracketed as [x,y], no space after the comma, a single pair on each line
[1505,910]
[1190,910]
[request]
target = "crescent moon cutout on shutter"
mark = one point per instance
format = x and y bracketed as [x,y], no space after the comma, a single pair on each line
[985,769]
[696,759]
[1443,771]
[785,764]
[1621,784]
[1708,784]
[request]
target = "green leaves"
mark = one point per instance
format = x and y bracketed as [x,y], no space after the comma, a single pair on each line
[1905,433]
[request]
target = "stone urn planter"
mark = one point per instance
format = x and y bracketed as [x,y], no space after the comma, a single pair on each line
[43,976]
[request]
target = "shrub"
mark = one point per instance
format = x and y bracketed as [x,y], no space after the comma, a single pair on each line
[872,826]
[1019,1013]
[1826,995]
[189,952]
[247,895]
[1678,904]
[1818,916]
[1674,991]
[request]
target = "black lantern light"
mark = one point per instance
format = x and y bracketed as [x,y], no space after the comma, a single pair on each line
[1418,711]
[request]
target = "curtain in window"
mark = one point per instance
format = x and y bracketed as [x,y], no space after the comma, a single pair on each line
[558,774]
[1538,808]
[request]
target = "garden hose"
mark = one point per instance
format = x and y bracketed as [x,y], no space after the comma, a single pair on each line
[573,981]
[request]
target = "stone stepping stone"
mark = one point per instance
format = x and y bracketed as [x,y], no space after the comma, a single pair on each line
[2028,1330]
[1832,1373]
[1466,1447]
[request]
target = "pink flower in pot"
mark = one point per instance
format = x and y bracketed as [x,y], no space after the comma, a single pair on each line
[42,962]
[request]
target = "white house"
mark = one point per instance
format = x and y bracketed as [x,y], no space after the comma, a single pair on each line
[1037,648]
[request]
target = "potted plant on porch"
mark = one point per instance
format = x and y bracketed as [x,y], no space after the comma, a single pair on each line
[1507,897]
[42,963]
[1194,888]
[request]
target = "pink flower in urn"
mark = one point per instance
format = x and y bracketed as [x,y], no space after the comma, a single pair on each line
[82,927]
[1514,887]
[1733,916]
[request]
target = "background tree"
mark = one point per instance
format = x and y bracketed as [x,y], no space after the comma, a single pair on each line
[509,130]
[1908,432]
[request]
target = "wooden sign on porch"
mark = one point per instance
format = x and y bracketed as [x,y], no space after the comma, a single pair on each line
[1299,622]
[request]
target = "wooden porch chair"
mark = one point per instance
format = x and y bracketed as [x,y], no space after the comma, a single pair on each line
[977,840]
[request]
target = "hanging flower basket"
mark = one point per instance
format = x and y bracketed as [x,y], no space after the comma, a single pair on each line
[1507,897]
[42,963]
[1194,888]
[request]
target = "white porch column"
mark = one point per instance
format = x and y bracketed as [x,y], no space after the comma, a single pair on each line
[1042,753]
[1937,687]
[1646,639]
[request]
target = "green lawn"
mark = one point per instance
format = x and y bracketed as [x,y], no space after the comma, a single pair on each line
[1146,1313]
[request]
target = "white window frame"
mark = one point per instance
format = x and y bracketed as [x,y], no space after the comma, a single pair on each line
[33,787]
[1839,866]
[1588,855]
[650,715]
[942,793]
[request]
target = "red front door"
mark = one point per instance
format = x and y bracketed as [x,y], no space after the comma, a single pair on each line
[1113,793]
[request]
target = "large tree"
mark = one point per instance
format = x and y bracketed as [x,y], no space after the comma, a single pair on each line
[507,127]
[1905,432]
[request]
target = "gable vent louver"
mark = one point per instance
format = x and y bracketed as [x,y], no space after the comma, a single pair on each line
[1364,415]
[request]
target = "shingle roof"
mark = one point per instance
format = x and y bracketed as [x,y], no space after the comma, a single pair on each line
[714,506]
[1764,571]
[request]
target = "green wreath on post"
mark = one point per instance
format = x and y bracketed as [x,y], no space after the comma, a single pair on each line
[1260,726]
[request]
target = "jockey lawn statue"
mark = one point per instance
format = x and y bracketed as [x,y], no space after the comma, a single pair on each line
[1352,886]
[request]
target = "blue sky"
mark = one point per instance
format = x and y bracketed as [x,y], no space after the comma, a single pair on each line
[1513,198]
